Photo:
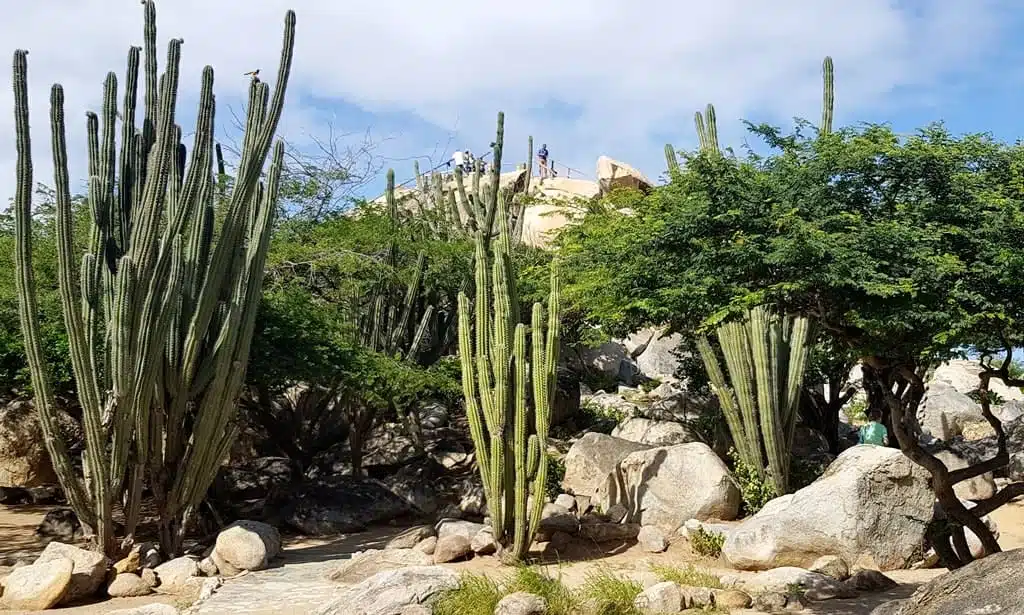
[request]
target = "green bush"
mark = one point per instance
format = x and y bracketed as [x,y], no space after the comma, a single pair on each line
[479,595]
[610,594]
[556,472]
[756,491]
[689,576]
[707,544]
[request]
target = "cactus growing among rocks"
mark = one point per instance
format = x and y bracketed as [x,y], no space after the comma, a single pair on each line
[508,388]
[766,357]
[161,315]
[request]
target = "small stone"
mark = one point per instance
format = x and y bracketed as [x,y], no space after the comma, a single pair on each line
[770,602]
[652,539]
[831,566]
[664,597]
[128,585]
[451,548]
[731,598]
[521,603]
[870,581]
[39,586]
[427,545]
[148,576]
[697,597]
[616,513]
[130,563]
[208,567]
[175,573]
[410,537]
[483,543]
[566,501]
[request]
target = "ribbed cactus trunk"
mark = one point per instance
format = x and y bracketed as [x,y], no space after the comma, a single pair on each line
[508,387]
[766,358]
[161,318]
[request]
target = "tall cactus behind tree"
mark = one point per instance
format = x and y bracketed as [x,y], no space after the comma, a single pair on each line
[160,322]
[766,357]
[497,375]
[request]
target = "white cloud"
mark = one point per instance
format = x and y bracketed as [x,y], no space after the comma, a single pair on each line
[636,70]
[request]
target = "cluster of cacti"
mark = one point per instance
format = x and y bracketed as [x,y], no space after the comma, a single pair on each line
[707,127]
[508,387]
[161,315]
[456,207]
[766,357]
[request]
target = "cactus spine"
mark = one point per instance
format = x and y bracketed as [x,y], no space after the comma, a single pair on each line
[497,372]
[766,357]
[160,323]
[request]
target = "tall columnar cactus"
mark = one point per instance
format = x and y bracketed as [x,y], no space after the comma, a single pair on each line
[161,317]
[828,96]
[707,129]
[766,357]
[508,419]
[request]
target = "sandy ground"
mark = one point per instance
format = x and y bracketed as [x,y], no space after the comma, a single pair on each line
[297,581]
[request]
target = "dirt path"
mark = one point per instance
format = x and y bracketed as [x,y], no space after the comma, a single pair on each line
[297,586]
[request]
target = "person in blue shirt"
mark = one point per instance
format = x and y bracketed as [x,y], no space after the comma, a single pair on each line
[542,158]
[874,432]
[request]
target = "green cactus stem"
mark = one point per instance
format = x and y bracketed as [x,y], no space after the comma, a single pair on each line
[161,315]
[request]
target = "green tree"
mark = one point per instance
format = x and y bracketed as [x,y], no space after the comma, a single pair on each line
[903,250]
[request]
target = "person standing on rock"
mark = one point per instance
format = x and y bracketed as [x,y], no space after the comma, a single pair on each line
[874,432]
[542,159]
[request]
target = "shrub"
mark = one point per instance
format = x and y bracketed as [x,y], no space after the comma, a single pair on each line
[475,595]
[705,543]
[857,412]
[610,594]
[556,472]
[688,576]
[598,418]
[756,491]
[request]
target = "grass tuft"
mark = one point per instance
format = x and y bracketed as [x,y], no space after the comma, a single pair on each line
[609,594]
[688,576]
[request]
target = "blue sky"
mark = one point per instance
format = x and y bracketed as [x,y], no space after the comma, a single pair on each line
[588,77]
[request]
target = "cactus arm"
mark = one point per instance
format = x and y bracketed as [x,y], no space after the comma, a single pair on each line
[519,444]
[27,303]
[671,159]
[828,96]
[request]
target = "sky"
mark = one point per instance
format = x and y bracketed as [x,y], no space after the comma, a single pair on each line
[587,77]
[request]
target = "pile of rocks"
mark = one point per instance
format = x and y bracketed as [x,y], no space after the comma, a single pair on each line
[64,574]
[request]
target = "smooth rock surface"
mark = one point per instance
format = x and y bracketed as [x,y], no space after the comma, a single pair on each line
[591,459]
[90,569]
[665,486]
[38,586]
[387,593]
[870,507]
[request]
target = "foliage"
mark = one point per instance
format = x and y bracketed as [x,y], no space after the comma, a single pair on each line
[610,594]
[857,412]
[475,595]
[479,595]
[689,576]
[754,488]
[556,473]
[705,543]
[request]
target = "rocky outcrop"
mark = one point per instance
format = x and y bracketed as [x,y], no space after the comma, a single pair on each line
[655,353]
[364,565]
[870,507]
[653,433]
[612,174]
[335,505]
[24,461]
[666,486]
[993,586]
[388,592]
[963,376]
[591,459]
[945,413]
[37,587]
[89,569]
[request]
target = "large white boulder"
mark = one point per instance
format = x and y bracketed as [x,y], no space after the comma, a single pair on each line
[945,412]
[870,507]
[668,485]
[388,592]
[653,433]
[591,459]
